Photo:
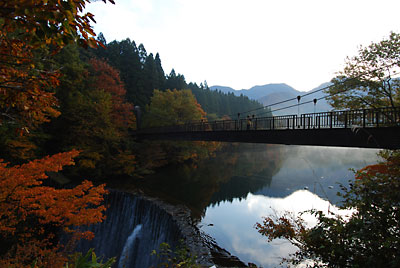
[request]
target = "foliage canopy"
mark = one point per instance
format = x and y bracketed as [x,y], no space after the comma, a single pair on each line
[28,30]
[31,214]
[368,79]
[173,107]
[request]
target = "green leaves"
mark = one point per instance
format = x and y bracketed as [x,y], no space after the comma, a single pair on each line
[180,257]
[95,116]
[366,81]
[89,260]
[172,107]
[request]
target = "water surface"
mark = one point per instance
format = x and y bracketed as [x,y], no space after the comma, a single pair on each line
[308,178]
[229,194]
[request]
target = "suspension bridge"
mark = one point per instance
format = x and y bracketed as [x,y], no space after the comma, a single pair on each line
[366,128]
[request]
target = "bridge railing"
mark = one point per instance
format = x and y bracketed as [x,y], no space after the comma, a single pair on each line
[381,117]
[353,118]
[274,122]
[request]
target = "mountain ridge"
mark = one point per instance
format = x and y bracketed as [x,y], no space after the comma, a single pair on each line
[270,94]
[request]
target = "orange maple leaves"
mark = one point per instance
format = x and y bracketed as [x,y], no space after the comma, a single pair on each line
[391,167]
[49,22]
[28,208]
[31,214]
[107,79]
[24,95]
[27,29]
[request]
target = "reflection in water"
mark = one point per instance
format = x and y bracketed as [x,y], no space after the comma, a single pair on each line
[232,224]
[239,187]
[248,181]
[236,170]
[316,169]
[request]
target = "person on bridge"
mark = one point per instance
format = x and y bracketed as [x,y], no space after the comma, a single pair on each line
[254,122]
[248,122]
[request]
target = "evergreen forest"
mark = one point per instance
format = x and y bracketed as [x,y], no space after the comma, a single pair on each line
[102,94]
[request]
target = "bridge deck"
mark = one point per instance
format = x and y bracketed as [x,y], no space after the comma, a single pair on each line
[384,138]
[378,128]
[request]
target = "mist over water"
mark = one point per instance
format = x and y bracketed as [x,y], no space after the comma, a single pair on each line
[228,195]
[308,178]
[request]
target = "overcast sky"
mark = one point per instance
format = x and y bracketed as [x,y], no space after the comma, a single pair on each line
[243,43]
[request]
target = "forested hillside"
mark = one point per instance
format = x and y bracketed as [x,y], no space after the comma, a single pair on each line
[64,95]
[142,72]
[95,96]
[218,104]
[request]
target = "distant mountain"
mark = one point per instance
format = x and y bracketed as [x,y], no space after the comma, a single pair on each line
[256,92]
[273,93]
[224,89]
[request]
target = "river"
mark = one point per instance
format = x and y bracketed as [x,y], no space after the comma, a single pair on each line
[227,195]
[308,178]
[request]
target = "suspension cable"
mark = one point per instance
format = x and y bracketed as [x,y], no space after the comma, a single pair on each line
[312,92]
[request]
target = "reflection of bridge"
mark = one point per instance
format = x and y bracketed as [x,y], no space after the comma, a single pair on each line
[368,128]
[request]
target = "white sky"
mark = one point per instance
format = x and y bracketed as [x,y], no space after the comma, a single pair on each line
[243,43]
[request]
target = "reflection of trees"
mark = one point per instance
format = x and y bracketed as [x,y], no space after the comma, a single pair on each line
[236,170]
[319,169]
[239,187]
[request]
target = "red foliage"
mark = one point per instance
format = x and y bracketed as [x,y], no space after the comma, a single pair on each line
[389,168]
[24,96]
[24,200]
[107,78]
[26,26]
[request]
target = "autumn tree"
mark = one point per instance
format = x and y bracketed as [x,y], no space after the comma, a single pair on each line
[140,72]
[173,107]
[31,214]
[369,79]
[30,33]
[106,78]
[369,234]
[24,80]
[95,117]
[368,237]
[124,56]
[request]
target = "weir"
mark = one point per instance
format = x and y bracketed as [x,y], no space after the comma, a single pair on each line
[134,227]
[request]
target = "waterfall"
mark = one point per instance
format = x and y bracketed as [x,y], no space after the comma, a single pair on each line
[128,246]
[133,228]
